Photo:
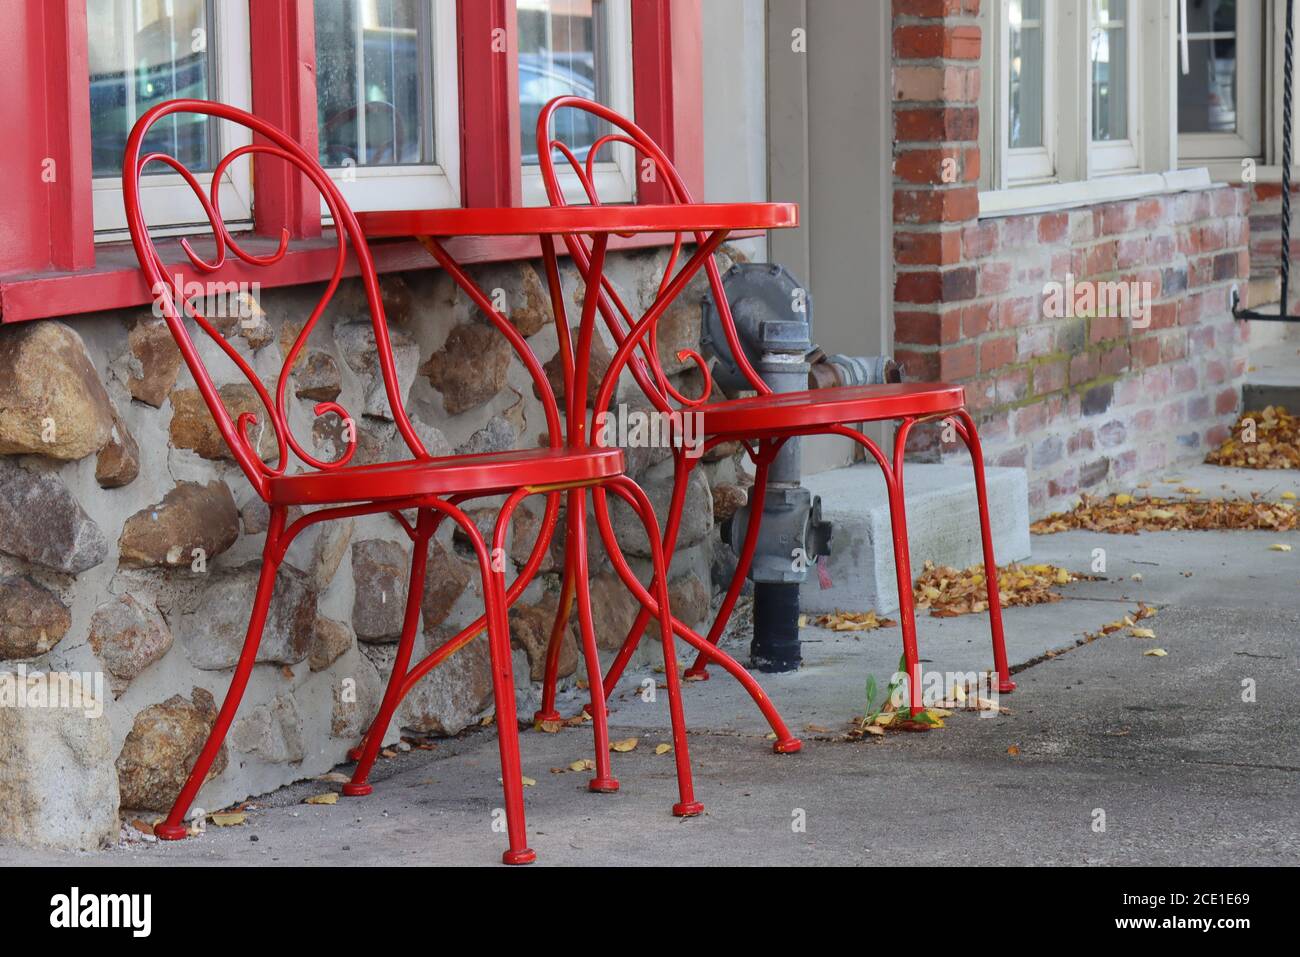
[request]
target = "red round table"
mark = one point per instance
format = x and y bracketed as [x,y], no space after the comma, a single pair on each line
[587,230]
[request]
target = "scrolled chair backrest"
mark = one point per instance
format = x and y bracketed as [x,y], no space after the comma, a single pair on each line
[176,307]
[646,367]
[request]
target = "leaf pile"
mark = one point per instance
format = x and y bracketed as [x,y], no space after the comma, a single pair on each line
[948,592]
[1125,514]
[849,621]
[1276,444]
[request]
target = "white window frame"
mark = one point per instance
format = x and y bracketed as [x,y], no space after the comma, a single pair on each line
[1036,164]
[1110,157]
[168,203]
[1084,171]
[615,178]
[427,186]
[1195,148]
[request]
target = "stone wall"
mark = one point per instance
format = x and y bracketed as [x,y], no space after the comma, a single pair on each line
[130,541]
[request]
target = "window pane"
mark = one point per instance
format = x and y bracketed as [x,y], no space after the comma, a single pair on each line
[141,54]
[1026,81]
[1207,94]
[1108,54]
[561,51]
[374,82]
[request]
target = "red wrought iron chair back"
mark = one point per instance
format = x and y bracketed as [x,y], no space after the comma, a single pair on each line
[646,367]
[176,307]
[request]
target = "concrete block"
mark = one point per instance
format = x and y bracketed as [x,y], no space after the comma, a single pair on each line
[943,526]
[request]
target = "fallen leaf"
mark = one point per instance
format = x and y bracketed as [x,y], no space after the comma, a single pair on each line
[527,781]
[1141,632]
[949,592]
[1276,444]
[852,621]
[142,826]
[1289,496]
[329,797]
[549,727]
[1122,514]
[229,818]
[1279,547]
[1155,653]
[1013,750]
[622,747]
[335,777]
[582,764]
[874,729]
[388,753]
[663,748]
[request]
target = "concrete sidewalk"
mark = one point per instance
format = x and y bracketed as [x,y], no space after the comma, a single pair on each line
[1184,770]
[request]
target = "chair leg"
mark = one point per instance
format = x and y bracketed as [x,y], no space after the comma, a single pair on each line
[360,786]
[604,781]
[496,609]
[548,712]
[698,670]
[972,440]
[173,828]
[903,568]
[686,805]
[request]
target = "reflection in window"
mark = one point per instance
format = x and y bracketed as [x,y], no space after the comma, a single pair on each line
[141,54]
[561,51]
[1026,81]
[374,82]
[1207,94]
[1108,55]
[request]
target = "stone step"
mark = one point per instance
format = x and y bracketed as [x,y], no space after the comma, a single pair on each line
[1273,377]
[943,526]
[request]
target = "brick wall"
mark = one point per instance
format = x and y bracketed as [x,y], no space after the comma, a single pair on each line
[1266,236]
[1084,401]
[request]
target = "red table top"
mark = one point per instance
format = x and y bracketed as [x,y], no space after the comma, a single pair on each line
[539,220]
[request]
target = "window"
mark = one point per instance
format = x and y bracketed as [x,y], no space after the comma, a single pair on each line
[387,109]
[1029,136]
[1081,100]
[582,48]
[410,103]
[1112,86]
[140,54]
[1220,95]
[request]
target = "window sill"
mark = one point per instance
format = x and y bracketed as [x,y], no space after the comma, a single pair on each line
[1055,196]
[1229,171]
[115,281]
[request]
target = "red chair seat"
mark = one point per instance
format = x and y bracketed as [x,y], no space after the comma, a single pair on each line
[762,414]
[479,474]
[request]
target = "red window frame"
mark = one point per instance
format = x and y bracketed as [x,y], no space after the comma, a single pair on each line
[50,264]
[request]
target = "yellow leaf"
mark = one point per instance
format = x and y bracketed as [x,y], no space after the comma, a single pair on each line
[330,797]
[1123,499]
[1155,653]
[1289,496]
[663,748]
[1279,547]
[873,729]
[1141,632]
[583,764]
[885,719]
[549,727]
[229,818]
[527,781]
[622,747]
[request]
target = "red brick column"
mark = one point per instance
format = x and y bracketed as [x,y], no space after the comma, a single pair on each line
[936,79]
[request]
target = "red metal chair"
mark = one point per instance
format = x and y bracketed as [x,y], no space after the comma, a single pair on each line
[432,488]
[765,421]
